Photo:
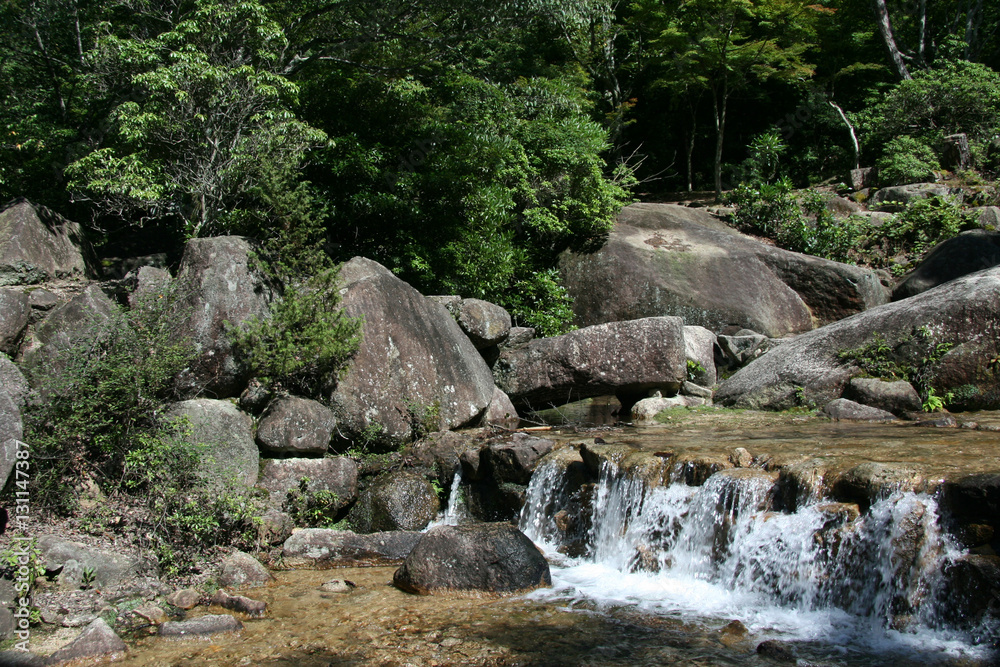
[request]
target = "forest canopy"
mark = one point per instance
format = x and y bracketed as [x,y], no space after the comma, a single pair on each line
[463,145]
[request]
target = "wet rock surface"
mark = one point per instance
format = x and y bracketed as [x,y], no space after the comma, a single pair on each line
[202,626]
[323,547]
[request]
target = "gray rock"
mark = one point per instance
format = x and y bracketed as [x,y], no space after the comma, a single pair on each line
[494,558]
[317,547]
[963,312]
[847,410]
[97,640]
[645,411]
[501,412]
[338,475]
[7,625]
[987,217]
[414,371]
[841,207]
[240,570]
[217,286]
[13,382]
[663,259]
[956,155]
[866,483]
[801,484]
[146,284]
[18,658]
[76,323]
[14,312]
[699,347]
[396,500]
[239,603]
[627,359]
[896,397]
[898,197]
[964,254]
[483,322]
[186,598]
[519,336]
[974,498]
[513,459]
[203,626]
[294,425]
[742,349]
[11,432]
[226,435]
[42,299]
[441,451]
[692,389]
[38,245]
[275,526]
[74,561]
[255,398]
[337,586]
[862,178]
[974,580]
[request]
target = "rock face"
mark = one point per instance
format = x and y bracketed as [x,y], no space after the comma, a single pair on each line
[496,475]
[338,475]
[14,313]
[11,431]
[74,323]
[71,559]
[663,259]
[324,547]
[414,370]
[485,323]
[699,347]
[225,433]
[398,500]
[216,285]
[38,245]
[490,558]
[966,253]
[12,382]
[293,425]
[627,359]
[964,312]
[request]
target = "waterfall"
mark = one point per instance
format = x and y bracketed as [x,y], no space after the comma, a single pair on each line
[455,512]
[720,551]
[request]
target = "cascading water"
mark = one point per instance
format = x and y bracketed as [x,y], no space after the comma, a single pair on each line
[456,511]
[822,575]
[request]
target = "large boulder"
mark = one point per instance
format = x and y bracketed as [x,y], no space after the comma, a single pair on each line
[964,313]
[98,639]
[297,426]
[662,259]
[217,288]
[494,558]
[11,431]
[337,476]
[396,500]
[627,359]
[14,314]
[73,562]
[415,369]
[966,253]
[38,245]
[699,347]
[225,435]
[898,197]
[56,341]
[13,381]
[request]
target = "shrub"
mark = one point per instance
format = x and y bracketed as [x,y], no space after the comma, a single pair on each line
[906,160]
[925,223]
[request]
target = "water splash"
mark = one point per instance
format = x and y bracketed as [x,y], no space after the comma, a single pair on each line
[824,573]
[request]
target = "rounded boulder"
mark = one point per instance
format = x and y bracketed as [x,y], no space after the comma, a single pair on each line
[494,558]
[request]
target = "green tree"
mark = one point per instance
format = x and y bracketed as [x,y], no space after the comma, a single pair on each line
[724,46]
[209,122]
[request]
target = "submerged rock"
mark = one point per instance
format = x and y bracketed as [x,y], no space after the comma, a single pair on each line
[203,626]
[491,558]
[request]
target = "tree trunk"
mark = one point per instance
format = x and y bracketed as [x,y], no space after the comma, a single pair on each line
[850,129]
[719,102]
[885,28]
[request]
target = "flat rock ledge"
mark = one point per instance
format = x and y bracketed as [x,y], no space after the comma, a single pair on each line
[323,546]
[203,626]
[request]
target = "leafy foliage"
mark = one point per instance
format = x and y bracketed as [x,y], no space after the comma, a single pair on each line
[906,160]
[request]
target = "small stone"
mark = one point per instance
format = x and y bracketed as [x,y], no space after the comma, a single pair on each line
[733,633]
[338,586]
[242,570]
[741,458]
[202,626]
[239,603]
[186,598]
[151,612]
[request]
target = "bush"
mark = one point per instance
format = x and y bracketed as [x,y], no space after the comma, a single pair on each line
[306,340]
[925,223]
[906,160]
